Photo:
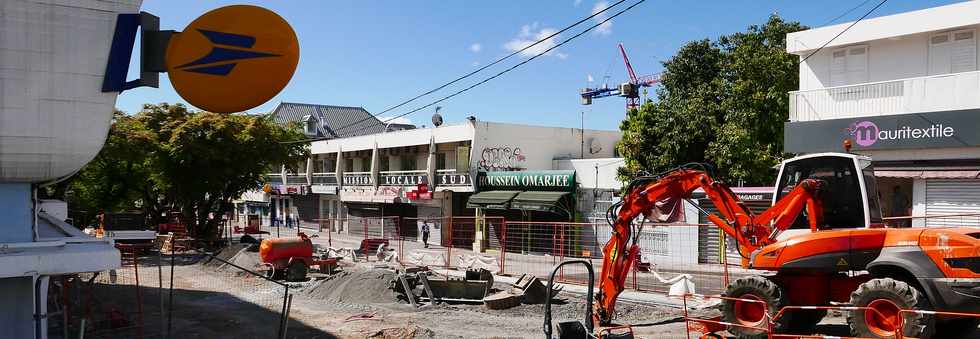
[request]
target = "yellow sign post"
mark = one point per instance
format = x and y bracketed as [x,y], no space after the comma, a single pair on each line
[232,58]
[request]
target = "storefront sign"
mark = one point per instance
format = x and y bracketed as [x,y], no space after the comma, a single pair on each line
[402,179]
[323,189]
[385,194]
[528,180]
[358,179]
[288,189]
[904,131]
[453,179]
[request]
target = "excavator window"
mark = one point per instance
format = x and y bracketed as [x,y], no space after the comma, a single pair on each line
[841,196]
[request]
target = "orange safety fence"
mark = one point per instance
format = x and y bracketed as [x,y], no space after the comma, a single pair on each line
[706,326]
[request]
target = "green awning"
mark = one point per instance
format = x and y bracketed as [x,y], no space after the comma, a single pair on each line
[540,201]
[499,200]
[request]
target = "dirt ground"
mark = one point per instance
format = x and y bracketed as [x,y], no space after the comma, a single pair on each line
[216,301]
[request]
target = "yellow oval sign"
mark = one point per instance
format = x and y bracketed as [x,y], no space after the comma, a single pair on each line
[232,58]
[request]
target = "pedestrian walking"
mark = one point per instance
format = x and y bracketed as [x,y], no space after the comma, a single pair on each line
[425,233]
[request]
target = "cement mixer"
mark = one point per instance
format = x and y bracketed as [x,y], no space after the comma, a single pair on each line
[292,257]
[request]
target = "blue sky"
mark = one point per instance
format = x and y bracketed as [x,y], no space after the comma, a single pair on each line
[375,54]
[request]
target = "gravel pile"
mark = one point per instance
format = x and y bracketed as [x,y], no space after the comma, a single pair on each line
[355,287]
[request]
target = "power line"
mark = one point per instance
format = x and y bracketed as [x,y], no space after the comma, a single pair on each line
[846,13]
[845,30]
[403,103]
[515,66]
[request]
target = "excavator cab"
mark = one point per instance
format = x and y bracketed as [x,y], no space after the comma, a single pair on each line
[849,194]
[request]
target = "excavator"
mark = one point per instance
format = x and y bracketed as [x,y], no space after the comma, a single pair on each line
[821,243]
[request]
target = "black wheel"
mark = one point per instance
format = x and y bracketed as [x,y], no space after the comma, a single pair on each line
[753,315]
[886,296]
[296,271]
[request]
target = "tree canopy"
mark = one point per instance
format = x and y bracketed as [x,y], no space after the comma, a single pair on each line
[722,102]
[168,158]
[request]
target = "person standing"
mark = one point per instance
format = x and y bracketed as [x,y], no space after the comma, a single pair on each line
[425,233]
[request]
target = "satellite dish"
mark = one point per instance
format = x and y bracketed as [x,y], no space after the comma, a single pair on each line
[436,120]
[594,146]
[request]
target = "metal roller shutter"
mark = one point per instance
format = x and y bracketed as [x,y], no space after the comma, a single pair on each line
[952,196]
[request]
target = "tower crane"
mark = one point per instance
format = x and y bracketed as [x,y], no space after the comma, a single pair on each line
[629,90]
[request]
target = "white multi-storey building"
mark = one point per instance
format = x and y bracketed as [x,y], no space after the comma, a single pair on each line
[905,90]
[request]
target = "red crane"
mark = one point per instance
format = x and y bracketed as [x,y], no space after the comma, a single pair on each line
[629,90]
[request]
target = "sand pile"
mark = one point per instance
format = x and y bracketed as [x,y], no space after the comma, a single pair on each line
[355,287]
[227,254]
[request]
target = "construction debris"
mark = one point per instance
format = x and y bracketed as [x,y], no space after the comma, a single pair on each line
[471,261]
[528,290]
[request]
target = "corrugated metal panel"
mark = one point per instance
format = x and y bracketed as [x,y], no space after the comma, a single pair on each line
[953,196]
[336,121]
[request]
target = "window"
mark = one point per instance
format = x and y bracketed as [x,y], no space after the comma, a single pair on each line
[440,161]
[383,163]
[952,52]
[849,66]
[841,196]
[408,162]
[309,125]
[463,159]
[365,165]
[349,165]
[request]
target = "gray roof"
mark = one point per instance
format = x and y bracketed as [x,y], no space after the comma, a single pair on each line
[333,121]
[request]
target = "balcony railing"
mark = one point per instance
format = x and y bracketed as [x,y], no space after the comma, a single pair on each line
[296,179]
[274,178]
[402,178]
[911,95]
[328,178]
[358,179]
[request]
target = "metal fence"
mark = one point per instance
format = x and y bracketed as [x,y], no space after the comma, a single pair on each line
[157,294]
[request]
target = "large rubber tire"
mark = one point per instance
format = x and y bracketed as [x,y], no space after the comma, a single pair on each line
[296,271]
[888,295]
[751,314]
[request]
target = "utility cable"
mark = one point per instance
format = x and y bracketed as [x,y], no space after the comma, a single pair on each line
[846,13]
[845,30]
[403,103]
[515,66]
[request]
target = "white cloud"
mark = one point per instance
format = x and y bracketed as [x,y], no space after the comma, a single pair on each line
[577,2]
[529,35]
[476,47]
[605,28]
[476,63]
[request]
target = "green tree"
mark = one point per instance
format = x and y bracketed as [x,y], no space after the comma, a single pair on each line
[167,158]
[722,102]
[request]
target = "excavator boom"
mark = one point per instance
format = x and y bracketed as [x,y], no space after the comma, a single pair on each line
[734,218]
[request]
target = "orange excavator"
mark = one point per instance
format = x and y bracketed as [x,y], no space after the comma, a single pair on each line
[822,241]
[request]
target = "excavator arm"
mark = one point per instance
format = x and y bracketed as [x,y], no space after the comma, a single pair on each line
[734,218]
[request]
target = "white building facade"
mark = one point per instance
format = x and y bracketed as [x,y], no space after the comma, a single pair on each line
[905,90]
[381,174]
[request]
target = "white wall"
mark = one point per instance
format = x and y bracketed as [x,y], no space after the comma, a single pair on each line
[538,145]
[888,59]
[940,18]
[585,172]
